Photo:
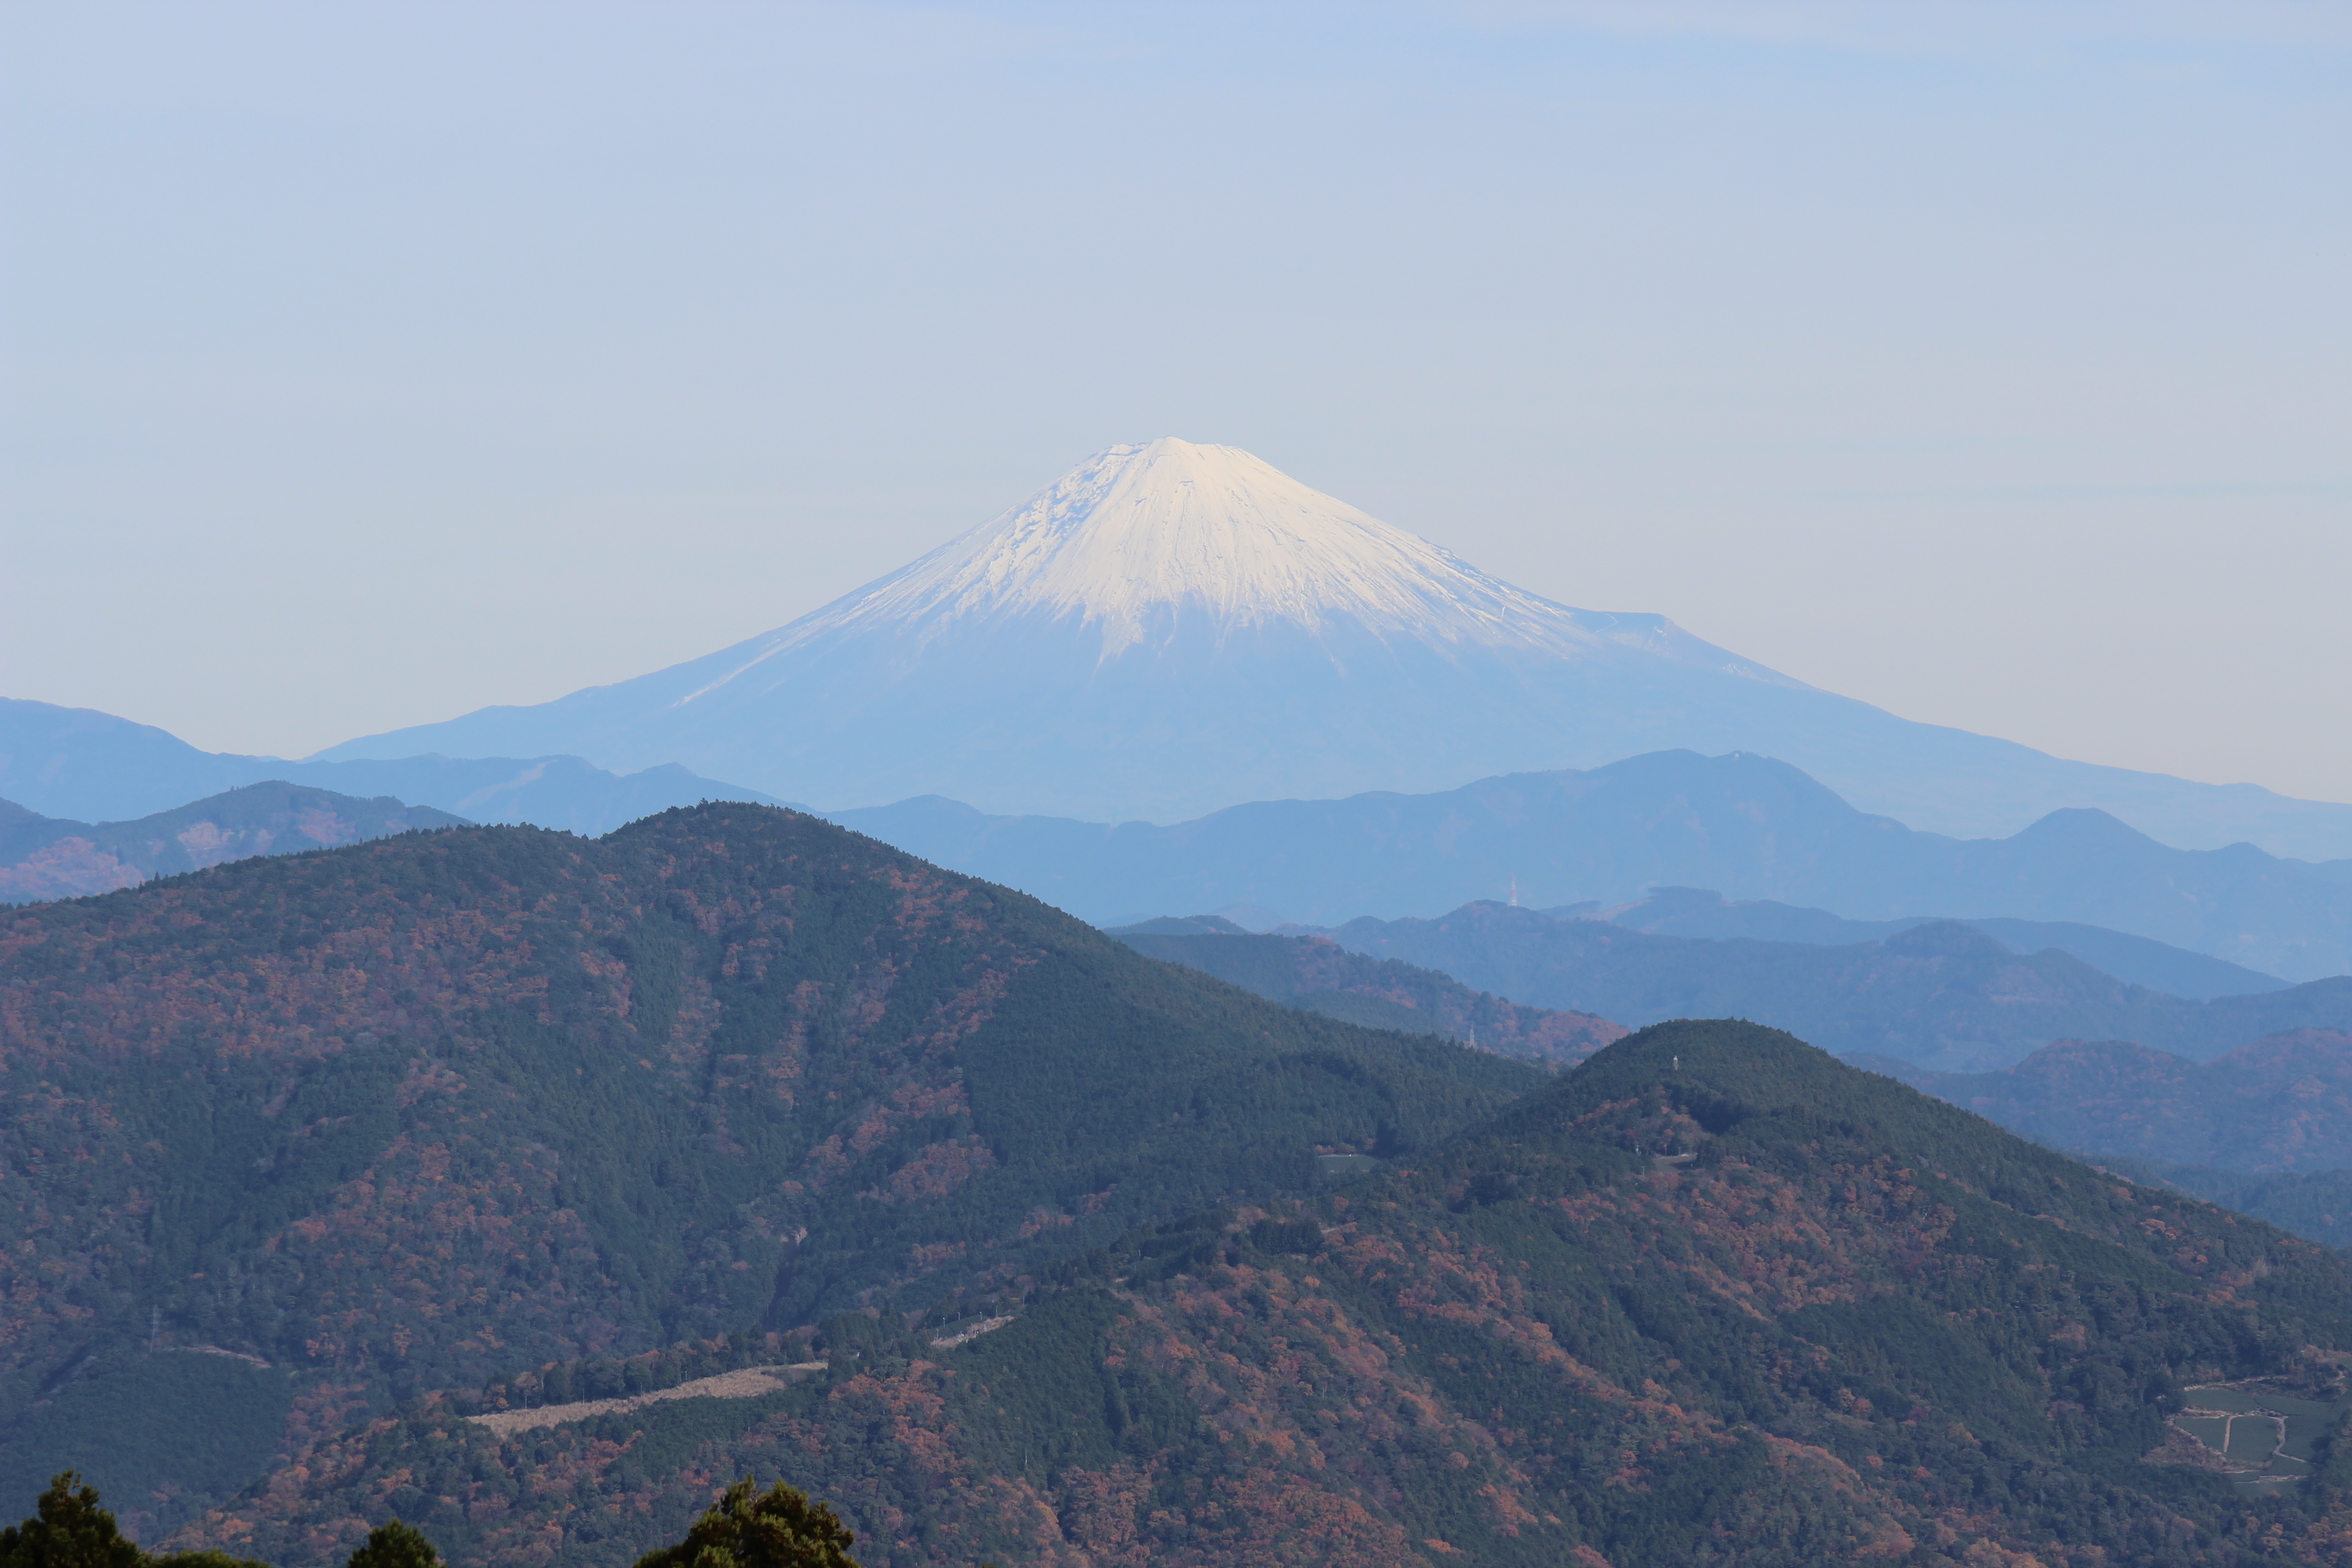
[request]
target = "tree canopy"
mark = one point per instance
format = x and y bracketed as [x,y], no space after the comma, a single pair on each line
[779,1527]
[68,1529]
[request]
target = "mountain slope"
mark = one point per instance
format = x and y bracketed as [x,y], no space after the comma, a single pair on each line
[1751,826]
[2314,1205]
[77,763]
[44,857]
[1847,1324]
[1324,977]
[2280,1103]
[1171,629]
[402,1115]
[1942,996]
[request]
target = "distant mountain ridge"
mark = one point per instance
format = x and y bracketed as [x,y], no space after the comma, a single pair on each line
[1750,827]
[45,857]
[79,764]
[1942,996]
[1170,629]
[1321,976]
[2282,1103]
[2139,960]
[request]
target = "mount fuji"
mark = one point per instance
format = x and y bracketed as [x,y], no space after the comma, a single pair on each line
[1171,629]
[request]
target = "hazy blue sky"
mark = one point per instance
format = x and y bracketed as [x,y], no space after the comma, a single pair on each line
[364,365]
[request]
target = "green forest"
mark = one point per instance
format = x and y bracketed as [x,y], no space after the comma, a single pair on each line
[322,1169]
[455,1105]
[1323,977]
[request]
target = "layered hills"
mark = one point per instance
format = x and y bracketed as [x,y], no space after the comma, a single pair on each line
[2265,1130]
[1746,825]
[1321,976]
[46,857]
[397,1178]
[2138,960]
[1942,996]
[291,1140]
[1169,629]
[1710,1299]
[2281,1103]
[77,763]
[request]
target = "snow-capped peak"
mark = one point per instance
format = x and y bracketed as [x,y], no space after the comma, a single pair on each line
[1135,532]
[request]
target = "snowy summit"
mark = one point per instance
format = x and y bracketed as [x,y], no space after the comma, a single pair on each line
[1135,536]
[1170,628]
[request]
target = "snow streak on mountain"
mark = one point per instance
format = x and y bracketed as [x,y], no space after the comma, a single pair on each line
[1171,629]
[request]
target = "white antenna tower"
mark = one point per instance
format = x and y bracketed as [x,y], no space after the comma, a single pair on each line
[1515,890]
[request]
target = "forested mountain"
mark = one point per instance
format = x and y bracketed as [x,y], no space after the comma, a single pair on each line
[2314,1205]
[47,857]
[291,1139]
[1320,975]
[1743,824]
[1710,1299]
[396,1178]
[2283,1103]
[1942,996]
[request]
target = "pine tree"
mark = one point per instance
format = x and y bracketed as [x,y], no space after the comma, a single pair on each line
[68,1529]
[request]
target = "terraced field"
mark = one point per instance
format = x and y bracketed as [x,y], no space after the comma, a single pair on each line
[2263,1440]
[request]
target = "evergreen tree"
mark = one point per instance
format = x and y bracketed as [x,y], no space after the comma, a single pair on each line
[68,1529]
[394,1544]
[777,1528]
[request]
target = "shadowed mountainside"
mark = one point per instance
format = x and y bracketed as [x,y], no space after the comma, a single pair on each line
[1843,1323]
[45,857]
[291,1138]
[1942,996]
[1321,976]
